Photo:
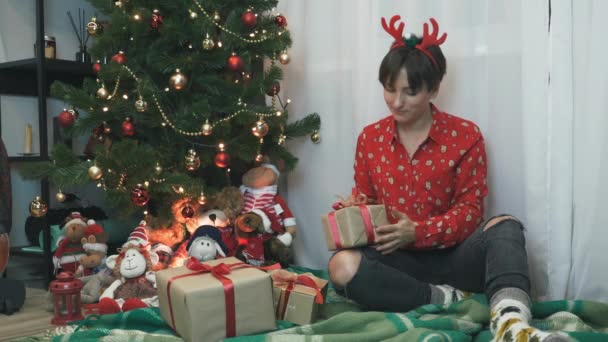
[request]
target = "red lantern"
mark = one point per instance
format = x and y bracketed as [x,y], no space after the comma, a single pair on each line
[249,18]
[66,119]
[97,67]
[128,129]
[66,298]
[140,196]
[280,21]
[235,63]
[120,58]
[222,159]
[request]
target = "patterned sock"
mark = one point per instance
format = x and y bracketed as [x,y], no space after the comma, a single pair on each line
[509,317]
[445,294]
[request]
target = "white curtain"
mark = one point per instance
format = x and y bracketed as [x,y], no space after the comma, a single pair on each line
[510,70]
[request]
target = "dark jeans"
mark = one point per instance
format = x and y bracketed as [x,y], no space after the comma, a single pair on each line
[485,262]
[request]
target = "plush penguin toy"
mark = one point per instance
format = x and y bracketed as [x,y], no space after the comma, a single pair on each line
[206,244]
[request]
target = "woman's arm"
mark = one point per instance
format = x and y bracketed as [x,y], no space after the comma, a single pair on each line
[363,181]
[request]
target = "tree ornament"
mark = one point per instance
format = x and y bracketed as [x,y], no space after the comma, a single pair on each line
[120,58]
[66,119]
[74,113]
[178,80]
[96,67]
[141,105]
[281,140]
[102,92]
[38,207]
[235,63]
[202,199]
[249,18]
[208,43]
[158,169]
[259,158]
[106,128]
[60,197]
[157,20]
[280,21]
[222,159]
[315,137]
[139,196]
[260,129]
[95,172]
[192,161]
[284,58]
[94,28]
[274,89]
[128,128]
[216,17]
[207,129]
[187,211]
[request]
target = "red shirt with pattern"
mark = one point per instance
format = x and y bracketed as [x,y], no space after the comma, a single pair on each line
[441,188]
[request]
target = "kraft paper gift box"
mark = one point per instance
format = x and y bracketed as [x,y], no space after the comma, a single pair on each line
[297,297]
[353,226]
[197,302]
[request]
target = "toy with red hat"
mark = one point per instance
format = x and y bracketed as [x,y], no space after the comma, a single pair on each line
[94,243]
[69,247]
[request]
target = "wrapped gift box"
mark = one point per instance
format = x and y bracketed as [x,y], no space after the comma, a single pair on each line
[297,296]
[216,299]
[353,226]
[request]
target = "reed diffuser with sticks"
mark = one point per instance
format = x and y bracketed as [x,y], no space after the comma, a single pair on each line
[83,37]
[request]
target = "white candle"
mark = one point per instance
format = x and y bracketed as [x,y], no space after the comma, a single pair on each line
[28,139]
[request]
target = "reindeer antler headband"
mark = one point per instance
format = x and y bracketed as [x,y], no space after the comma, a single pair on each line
[428,39]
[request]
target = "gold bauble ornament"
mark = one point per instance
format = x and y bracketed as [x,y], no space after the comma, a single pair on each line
[207,129]
[60,197]
[94,28]
[178,81]
[216,17]
[141,105]
[38,208]
[192,161]
[95,172]
[281,140]
[102,93]
[315,137]
[202,199]
[158,169]
[260,129]
[208,43]
[284,58]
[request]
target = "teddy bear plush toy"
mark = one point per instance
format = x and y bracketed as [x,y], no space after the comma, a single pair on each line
[206,244]
[94,243]
[69,247]
[261,199]
[257,247]
[135,284]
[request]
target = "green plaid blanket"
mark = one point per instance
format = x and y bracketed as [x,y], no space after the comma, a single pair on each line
[341,320]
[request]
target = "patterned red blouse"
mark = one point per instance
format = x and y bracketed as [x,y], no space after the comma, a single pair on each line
[441,188]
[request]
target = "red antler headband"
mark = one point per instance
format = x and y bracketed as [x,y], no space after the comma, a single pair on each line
[427,39]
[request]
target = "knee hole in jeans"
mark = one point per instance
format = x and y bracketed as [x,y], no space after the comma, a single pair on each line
[496,220]
[342,267]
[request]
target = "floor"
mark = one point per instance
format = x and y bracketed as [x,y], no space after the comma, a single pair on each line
[32,319]
[28,269]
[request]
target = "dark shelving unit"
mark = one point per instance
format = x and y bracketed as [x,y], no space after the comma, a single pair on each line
[33,77]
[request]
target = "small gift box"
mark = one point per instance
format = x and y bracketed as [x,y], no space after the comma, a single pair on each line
[352,223]
[216,299]
[297,296]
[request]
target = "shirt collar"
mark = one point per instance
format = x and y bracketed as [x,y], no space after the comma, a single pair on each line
[435,133]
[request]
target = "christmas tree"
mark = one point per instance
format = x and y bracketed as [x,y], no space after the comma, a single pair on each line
[179,110]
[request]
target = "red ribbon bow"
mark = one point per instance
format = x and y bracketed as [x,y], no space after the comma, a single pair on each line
[282,277]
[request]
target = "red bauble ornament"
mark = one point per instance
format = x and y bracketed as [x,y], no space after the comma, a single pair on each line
[222,159]
[235,63]
[280,21]
[120,58]
[66,119]
[188,211]
[274,89]
[96,67]
[128,128]
[157,20]
[249,18]
[140,196]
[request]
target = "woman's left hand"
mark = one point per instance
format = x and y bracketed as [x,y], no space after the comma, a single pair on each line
[391,237]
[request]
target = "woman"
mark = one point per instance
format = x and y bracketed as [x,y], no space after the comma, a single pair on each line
[429,169]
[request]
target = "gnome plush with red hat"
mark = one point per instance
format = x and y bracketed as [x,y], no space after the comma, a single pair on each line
[135,284]
[69,247]
[94,243]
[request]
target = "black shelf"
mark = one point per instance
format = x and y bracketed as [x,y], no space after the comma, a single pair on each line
[17,159]
[20,77]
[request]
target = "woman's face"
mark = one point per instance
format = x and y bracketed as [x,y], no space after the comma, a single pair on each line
[407,106]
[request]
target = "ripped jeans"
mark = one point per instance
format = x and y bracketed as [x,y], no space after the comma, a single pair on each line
[486,261]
